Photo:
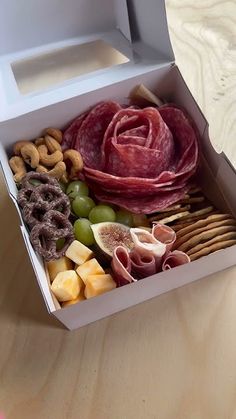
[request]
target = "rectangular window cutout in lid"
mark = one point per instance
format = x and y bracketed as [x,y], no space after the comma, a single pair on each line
[45,70]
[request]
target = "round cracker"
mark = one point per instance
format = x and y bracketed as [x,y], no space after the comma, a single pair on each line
[204,236]
[213,248]
[202,223]
[221,238]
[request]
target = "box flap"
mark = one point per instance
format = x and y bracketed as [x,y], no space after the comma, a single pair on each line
[133,38]
[230,158]
[39,271]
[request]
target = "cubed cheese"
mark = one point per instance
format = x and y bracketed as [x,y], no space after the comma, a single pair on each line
[78,252]
[58,265]
[98,284]
[91,267]
[80,297]
[66,286]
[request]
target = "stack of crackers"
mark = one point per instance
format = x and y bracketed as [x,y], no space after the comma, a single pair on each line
[200,228]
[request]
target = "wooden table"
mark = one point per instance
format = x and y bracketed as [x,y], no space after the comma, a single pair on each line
[173,357]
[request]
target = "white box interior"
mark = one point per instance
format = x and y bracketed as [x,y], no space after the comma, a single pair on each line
[138,30]
[29,28]
[217,178]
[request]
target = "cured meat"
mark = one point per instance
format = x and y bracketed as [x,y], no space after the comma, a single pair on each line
[142,266]
[130,267]
[121,266]
[164,234]
[174,259]
[185,139]
[90,135]
[139,159]
[146,205]
[70,134]
[146,244]
[145,159]
[150,254]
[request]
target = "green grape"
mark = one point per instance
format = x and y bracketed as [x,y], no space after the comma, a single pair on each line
[102,213]
[82,206]
[35,182]
[113,206]
[83,232]
[60,243]
[77,188]
[124,217]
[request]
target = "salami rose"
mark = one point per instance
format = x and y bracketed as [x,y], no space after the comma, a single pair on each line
[139,159]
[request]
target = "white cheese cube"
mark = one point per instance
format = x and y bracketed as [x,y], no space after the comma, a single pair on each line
[78,252]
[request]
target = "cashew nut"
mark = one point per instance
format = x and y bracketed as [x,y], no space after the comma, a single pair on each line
[18,146]
[52,144]
[39,141]
[55,133]
[18,167]
[58,170]
[49,159]
[65,177]
[30,154]
[41,169]
[76,160]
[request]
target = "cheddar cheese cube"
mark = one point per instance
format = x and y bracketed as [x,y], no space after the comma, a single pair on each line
[66,286]
[91,267]
[58,265]
[98,284]
[78,252]
[80,297]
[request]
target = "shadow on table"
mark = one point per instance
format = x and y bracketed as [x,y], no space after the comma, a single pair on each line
[20,295]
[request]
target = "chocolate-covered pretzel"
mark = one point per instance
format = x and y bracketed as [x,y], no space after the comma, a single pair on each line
[51,198]
[23,196]
[33,213]
[46,209]
[28,186]
[41,177]
[44,235]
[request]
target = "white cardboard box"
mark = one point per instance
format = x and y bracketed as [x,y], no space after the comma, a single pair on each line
[138,30]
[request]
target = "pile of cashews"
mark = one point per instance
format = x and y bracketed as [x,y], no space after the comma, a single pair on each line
[45,155]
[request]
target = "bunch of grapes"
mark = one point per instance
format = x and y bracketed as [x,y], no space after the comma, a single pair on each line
[88,212]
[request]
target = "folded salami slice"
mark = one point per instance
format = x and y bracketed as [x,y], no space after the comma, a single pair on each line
[144,205]
[175,258]
[91,133]
[70,134]
[147,158]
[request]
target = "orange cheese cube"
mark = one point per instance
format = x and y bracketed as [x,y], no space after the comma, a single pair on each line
[98,284]
[58,265]
[80,297]
[91,267]
[66,286]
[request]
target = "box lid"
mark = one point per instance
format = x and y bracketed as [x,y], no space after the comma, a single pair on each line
[100,41]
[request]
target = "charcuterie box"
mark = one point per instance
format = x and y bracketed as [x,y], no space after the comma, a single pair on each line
[59,58]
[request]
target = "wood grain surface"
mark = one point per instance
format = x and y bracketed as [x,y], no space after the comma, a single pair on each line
[173,357]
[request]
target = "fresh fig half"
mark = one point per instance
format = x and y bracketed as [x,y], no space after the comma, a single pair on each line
[109,235]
